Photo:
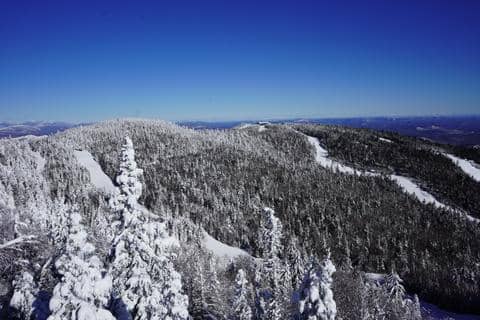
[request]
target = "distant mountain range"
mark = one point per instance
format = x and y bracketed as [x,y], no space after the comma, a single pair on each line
[456,130]
[35,128]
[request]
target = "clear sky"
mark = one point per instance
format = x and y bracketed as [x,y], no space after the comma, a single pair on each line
[220,60]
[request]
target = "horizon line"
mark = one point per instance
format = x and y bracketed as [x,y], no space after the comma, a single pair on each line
[244,119]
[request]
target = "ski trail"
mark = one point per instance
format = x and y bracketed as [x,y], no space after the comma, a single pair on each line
[469,167]
[97,177]
[406,184]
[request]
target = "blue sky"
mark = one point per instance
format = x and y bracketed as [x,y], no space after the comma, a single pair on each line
[221,60]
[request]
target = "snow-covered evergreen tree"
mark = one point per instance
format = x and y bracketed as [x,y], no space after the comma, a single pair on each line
[371,305]
[395,289]
[141,263]
[415,309]
[260,304]
[296,261]
[57,224]
[316,296]
[270,235]
[241,307]
[129,177]
[214,300]
[83,291]
[271,298]
[25,290]
[398,306]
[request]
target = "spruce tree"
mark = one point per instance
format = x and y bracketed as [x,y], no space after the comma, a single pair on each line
[316,296]
[25,290]
[270,299]
[398,306]
[241,307]
[141,261]
[83,291]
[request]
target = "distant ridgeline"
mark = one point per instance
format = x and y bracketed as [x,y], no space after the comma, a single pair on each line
[266,221]
[33,128]
[456,130]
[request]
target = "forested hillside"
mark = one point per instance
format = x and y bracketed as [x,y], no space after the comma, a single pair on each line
[301,226]
[392,153]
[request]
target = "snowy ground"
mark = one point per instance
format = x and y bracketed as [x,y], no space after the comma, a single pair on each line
[375,277]
[244,126]
[222,250]
[407,184]
[412,188]
[98,178]
[30,137]
[385,140]
[469,167]
[261,127]
[321,156]
[40,161]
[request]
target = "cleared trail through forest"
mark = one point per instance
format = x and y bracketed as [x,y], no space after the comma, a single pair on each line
[406,184]
[471,168]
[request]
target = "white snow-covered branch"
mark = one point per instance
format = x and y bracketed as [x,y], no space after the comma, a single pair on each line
[19,240]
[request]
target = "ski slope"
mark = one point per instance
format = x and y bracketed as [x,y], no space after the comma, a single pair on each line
[469,167]
[405,183]
[321,156]
[412,188]
[97,177]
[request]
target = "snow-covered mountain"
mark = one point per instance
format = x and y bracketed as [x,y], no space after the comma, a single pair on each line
[265,221]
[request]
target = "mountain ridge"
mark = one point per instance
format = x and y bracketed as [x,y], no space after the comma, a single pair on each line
[220,179]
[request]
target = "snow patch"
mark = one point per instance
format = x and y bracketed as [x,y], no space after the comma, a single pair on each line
[375,277]
[29,137]
[469,167]
[244,126]
[39,160]
[97,177]
[260,126]
[385,140]
[221,249]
